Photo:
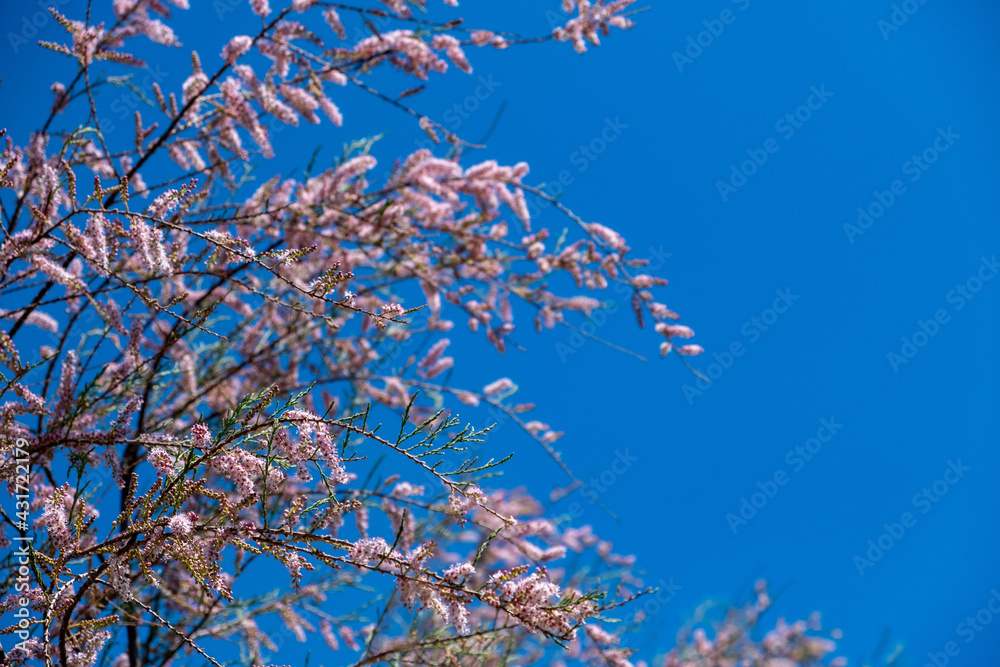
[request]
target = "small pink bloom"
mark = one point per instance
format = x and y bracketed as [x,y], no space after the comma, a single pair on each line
[674,330]
[236,47]
[498,387]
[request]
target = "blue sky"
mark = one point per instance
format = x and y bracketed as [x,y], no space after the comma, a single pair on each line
[824,110]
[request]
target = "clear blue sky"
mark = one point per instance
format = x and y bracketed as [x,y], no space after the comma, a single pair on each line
[841,112]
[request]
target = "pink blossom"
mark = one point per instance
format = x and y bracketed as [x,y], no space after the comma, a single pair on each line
[67,385]
[481,37]
[326,629]
[301,101]
[368,549]
[644,281]
[183,524]
[674,330]
[236,47]
[594,16]
[56,520]
[498,387]
[607,236]
[453,50]
[149,242]
[333,20]
[406,489]
[201,435]
[456,573]
[467,398]
[349,638]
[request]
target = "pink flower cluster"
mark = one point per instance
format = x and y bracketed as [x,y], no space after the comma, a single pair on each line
[594,17]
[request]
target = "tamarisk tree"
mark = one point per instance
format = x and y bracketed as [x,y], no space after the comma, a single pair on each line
[209,375]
